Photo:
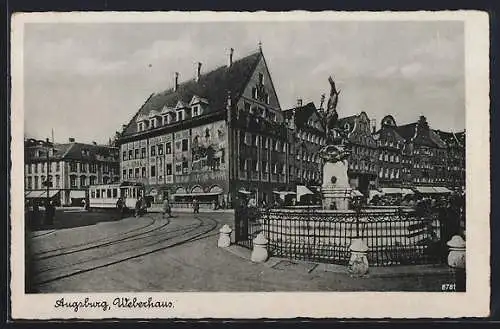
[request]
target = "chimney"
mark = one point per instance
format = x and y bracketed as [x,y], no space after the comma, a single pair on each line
[71,140]
[198,72]
[176,81]
[374,126]
[124,127]
[94,143]
[231,52]
[299,102]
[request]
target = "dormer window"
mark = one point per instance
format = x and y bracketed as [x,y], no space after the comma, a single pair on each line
[152,123]
[267,99]
[254,93]
[166,119]
[140,126]
[261,79]
[196,110]
[180,115]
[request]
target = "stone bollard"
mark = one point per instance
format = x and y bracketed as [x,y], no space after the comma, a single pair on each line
[259,252]
[456,261]
[358,263]
[224,237]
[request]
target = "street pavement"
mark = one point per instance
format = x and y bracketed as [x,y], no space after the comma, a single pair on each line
[152,253]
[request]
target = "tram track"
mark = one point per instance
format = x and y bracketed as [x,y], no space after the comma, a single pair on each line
[135,229]
[100,242]
[160,242]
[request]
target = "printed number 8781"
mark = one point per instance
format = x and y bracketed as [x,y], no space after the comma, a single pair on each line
[448,287]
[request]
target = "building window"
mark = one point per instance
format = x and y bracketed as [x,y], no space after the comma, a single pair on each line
[130,154]
[130,173]
[180,115]
[83,181]
[140,126]
[29,183]
[143,153]
[248,138]
[185,167]
[152,123]
[261,79]
[275,168]
[136,172]
[136,154]
[265,168]
[185,144]
[153,171]
[255,165]
[160,149]
[277,145]
[169,169]
[178,168]
[196,111]
[153,151]
[267,99]
[92,168]
[255,140]
[168,148]
[243,164]
[124,173]
[143,172]
[58,181]
[247,106]
[72,181]
[73,167]
[254,93]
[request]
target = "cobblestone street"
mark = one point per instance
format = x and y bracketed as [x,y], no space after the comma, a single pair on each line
[181,254]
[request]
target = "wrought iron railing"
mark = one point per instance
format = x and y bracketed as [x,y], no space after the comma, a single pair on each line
[394,237]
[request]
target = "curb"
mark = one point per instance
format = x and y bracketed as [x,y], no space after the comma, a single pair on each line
[311,267]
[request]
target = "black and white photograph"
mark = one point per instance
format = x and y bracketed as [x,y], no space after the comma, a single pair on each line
[251,154]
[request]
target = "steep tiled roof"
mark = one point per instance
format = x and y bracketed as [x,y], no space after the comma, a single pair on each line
[407,131]
[425,137]
[213,86]
[91,152]
[302,114]
[78,151]
[451,139]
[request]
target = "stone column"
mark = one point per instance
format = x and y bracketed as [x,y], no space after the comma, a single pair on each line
[224,237]
[456,261]
[358,263]
[259,252]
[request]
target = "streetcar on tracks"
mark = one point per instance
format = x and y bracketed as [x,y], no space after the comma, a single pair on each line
[112,196]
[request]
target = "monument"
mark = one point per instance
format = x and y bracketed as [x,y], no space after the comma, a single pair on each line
[335,189]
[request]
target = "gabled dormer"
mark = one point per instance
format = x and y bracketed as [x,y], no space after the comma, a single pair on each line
[154,119]
[197,105]
[142,122]
[182,111]
[167,115]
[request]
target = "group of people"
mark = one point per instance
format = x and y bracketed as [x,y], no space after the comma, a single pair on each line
[36,217]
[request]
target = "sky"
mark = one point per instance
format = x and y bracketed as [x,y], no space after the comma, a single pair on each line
[85,80]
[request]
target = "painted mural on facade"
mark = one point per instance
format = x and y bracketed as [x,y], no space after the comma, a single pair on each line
[208,147]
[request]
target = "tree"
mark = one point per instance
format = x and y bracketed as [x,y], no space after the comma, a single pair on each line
[113,141]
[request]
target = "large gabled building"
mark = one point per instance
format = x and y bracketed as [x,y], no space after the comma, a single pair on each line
[211,136]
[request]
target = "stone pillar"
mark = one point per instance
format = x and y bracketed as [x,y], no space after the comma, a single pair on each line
[224,237]
[358,263]
[335,189]
[259,252]
[456,261]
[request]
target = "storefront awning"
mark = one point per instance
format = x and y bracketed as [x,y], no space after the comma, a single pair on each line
[196,194]
[392,190]
[356,193]
[77,194]
[425,189]
[407,191]
[244,192]
[303,190]
[36,194]
[441,189]
[53,192]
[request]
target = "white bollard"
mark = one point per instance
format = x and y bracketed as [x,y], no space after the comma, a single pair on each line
[358,263]
[456,257]
[259,252]
[456,261]
[224,237]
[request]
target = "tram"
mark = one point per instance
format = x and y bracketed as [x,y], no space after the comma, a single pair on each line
[105,196]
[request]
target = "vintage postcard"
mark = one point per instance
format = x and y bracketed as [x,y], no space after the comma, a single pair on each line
[250,165]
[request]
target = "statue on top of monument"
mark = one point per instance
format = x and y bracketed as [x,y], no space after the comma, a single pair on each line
[335,149]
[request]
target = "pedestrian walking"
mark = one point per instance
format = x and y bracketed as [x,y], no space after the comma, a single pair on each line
[166,208]
[138,207]
[120,207]
[196,206]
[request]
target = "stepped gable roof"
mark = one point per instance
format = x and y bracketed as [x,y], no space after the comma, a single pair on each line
[212,86]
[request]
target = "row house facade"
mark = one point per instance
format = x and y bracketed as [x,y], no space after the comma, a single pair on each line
[211,137]
[414,155]
[71,168]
